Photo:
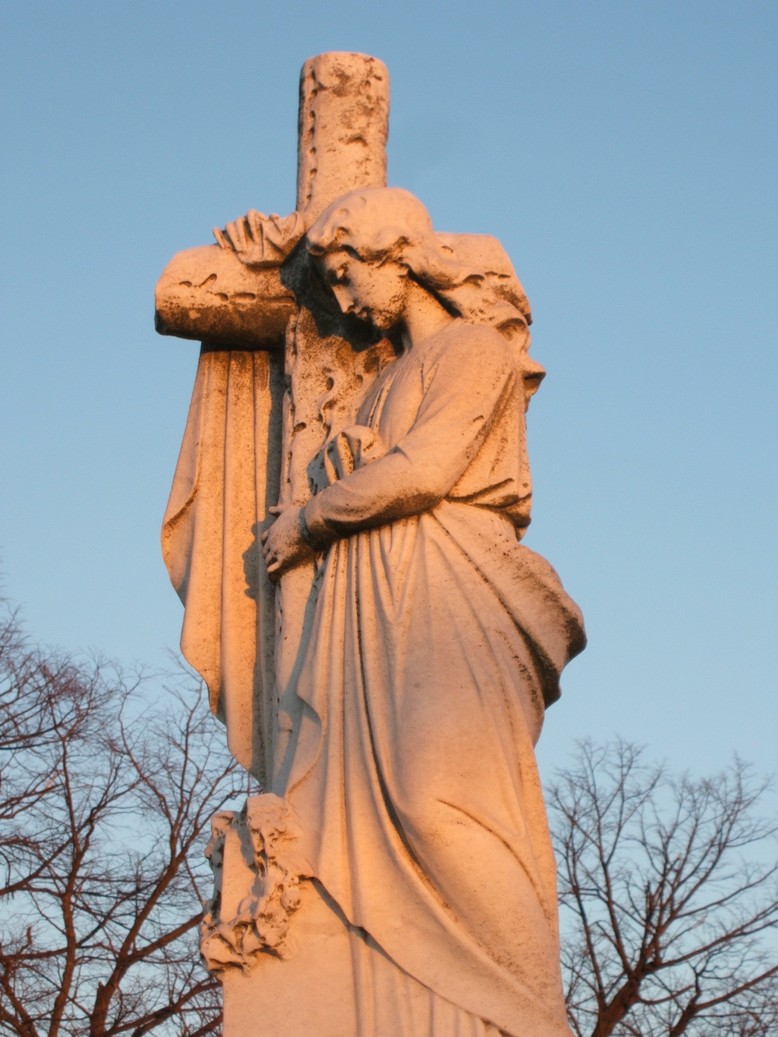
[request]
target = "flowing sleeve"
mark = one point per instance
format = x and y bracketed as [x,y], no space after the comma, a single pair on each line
[470,384]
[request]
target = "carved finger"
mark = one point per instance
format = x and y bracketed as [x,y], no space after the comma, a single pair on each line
[237,234]
[255,221]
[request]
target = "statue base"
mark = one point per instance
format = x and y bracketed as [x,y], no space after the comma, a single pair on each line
[336,983]
[290,963]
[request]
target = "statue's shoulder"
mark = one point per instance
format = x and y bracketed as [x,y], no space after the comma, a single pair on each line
[473,345]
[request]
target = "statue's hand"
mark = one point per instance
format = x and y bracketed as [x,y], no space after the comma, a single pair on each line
[283,546]
[259,240]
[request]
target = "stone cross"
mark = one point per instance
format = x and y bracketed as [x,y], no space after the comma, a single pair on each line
[259,412]
[395,872]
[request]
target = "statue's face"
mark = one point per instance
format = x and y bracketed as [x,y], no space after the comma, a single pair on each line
[371,291]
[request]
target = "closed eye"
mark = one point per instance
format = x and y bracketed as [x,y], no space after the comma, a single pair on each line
[337,276]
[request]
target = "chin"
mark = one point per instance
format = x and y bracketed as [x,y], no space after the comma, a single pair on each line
[383,323]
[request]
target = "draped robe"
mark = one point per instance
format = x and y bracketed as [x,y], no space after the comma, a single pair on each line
[437,640]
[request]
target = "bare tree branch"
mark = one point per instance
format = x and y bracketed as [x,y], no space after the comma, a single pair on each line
[669,896]
[104,812]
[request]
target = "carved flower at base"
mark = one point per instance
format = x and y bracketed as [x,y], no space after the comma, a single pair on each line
[255,847]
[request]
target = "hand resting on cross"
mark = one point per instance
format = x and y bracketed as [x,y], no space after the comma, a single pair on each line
[283,546]
[259,240]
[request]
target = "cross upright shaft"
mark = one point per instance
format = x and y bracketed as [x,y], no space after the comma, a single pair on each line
[343,128]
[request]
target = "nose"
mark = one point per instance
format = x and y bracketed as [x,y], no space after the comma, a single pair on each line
[343,298]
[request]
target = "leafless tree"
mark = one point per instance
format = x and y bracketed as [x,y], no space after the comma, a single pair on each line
[104,813]
[668,886]
[669,898]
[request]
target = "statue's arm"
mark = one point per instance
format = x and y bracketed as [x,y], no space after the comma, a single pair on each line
[474,381]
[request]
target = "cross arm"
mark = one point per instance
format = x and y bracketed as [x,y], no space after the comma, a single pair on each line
[209,294]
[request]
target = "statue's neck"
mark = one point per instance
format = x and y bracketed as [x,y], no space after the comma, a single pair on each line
[424,317]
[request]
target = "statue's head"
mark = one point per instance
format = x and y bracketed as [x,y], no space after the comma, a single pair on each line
[379,238]
[369,245]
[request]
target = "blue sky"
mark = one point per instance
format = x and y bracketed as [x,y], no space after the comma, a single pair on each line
[625,155]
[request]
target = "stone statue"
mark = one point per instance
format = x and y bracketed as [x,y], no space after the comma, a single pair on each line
[395,878]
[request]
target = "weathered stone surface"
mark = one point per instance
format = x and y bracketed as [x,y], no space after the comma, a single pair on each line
[343,126]
[344,532]
[207,294]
